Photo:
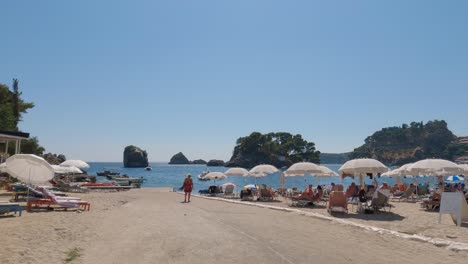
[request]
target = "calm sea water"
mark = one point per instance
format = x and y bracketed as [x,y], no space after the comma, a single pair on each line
[164,175]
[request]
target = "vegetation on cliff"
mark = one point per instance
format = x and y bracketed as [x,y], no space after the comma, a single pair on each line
[409,143]
[279,149]
[12,108]
[334,158]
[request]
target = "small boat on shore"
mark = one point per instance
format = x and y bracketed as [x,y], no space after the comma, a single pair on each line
[125,178]
[107,173]
[202,175]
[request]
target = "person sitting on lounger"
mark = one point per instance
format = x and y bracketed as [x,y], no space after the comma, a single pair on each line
[352,191]
[318,194]
[307,194]
[384,186]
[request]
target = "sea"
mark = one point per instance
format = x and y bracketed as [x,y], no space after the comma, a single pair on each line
[172,176]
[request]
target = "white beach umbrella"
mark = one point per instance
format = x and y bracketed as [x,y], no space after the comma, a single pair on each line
[361,168]
[29,169]
[326,172]
[77,163]
[65,169]
[391,173]
[401,171]
[302,168]
[464,167]
[357,167]
[215,176]
[237,171]
[455,178]
[262,170]
[434,167]
[3,167]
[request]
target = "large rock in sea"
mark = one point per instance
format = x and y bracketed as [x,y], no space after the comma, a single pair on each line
[179,158]
[135,157]
[215,163]
[198,162]
[54,159]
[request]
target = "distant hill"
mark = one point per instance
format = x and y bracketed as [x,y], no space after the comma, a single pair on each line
[334,158]
[409,143]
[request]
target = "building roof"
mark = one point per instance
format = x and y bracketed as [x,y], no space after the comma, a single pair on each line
[13,135]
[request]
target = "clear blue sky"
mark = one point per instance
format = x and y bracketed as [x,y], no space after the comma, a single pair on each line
[193,76]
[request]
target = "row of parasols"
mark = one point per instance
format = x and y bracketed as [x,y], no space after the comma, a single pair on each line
[35,170]
[352,168]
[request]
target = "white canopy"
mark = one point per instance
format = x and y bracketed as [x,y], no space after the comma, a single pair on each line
[434,167]
[262,170]
[326,172]
[65,169]
[2,167]
[362,167]
[29,169]
[77,163]
[215,176]
[463,166]
[402,171]
[302,168]
[237,171]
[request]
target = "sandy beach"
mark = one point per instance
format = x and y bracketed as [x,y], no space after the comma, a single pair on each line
[151,225]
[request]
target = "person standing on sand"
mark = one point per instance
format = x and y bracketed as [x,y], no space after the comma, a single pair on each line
[188,186]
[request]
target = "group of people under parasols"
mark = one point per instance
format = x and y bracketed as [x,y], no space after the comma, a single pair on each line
[309,195]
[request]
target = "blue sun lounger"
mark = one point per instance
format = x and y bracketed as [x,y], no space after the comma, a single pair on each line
[10,208]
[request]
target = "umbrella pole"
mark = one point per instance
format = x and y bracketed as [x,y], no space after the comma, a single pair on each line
[27,193]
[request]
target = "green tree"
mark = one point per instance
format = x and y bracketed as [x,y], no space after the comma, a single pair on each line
[279,149]
[29,146]
[12,107]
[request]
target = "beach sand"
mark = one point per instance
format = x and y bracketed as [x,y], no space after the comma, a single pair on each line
[151,225]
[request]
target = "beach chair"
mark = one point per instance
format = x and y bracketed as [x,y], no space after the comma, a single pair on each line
[337,201]
[229,191]
[380,201]
[407,195]
[53,201]
[422,191]
[24,192]
[6,207]
[265,194]
[213,190]
[282,191]
[246,195]
[68,187]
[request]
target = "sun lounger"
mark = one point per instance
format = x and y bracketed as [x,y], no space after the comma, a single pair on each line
[281,191]
[229,191]
[65,202]
[265,194]
[432,203]
[407,195]
[380,201]
[69,187]
[337,201]
[10,208]
[62,204]
[246,195]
